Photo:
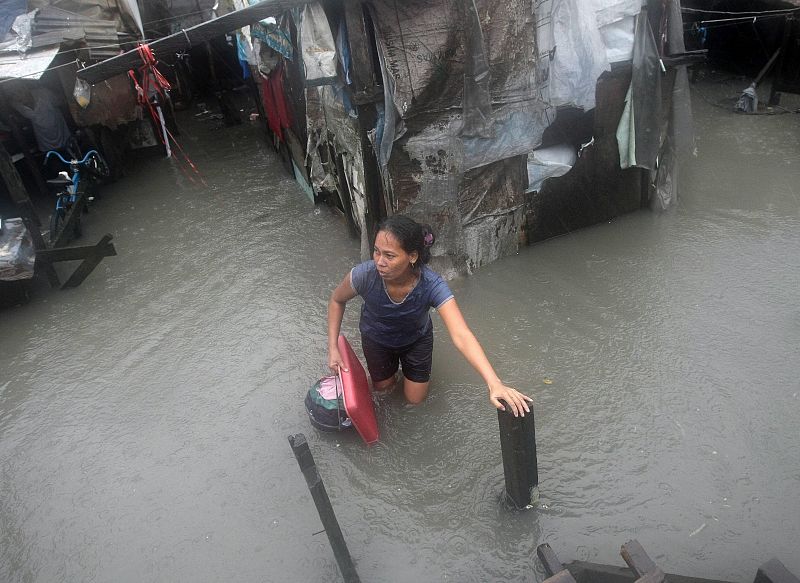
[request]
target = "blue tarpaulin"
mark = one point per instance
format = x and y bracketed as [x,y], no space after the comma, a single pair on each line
[9,10]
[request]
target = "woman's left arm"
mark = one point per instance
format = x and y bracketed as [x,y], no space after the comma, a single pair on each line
[469,346]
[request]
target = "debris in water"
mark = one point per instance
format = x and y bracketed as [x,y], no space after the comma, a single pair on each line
[698,530]
[547,381]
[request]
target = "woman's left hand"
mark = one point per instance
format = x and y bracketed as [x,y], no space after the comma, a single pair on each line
[516,400]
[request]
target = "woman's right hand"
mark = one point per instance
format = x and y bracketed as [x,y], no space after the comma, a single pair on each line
[335,362]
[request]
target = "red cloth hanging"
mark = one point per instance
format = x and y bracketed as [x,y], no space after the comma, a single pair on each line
[271,109]
[274,99]
[278,82]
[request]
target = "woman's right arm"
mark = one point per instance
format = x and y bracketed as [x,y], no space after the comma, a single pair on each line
[343,293]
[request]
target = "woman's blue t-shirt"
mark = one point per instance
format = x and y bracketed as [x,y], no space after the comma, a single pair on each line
[392,324]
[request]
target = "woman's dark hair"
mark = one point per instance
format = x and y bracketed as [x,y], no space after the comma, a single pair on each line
[411,235]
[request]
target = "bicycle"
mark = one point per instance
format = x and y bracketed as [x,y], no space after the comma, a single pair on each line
[69,186]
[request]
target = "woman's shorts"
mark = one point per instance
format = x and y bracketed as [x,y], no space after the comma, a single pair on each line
[416,359]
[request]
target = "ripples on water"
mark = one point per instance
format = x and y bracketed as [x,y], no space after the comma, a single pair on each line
[144,416]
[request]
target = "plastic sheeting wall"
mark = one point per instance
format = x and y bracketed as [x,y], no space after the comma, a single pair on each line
[471,85]
[577,41]
[461,103]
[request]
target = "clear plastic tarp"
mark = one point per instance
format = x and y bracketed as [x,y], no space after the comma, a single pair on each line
[549,162]
[577,40]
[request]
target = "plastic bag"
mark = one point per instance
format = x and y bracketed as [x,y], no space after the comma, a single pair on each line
[82,93]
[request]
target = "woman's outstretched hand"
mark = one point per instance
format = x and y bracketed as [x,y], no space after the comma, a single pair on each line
[516,400]
[335,362]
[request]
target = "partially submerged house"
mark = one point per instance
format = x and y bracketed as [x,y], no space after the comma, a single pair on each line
[458,112]
[497,122]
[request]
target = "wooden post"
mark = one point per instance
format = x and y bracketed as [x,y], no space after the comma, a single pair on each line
[323,504]
[518,445]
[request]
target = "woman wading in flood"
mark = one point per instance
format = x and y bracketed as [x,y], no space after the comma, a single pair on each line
[398,290]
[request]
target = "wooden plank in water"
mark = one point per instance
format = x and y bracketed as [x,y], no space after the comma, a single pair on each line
[773,571]
[561,577]
[549,559]
[637,558]
[94,256]
[656,576]
[75,253]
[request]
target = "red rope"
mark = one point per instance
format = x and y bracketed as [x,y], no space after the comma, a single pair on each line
[152,76]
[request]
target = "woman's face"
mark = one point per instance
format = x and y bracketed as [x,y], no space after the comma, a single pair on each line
[390,258]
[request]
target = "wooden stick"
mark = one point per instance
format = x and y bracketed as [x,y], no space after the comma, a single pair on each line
[520,464]
[306,462]
[102,249]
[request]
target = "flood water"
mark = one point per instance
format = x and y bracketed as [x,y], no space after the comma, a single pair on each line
[144,415]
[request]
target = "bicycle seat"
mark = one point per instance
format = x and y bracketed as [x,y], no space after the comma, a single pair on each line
[60,181]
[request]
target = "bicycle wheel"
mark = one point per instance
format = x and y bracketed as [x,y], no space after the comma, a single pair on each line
[56,222]
[98,166]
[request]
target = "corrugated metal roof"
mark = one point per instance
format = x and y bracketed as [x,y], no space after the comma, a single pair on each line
[100,36]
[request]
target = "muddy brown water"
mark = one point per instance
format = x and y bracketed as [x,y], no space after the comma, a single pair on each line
[144,415]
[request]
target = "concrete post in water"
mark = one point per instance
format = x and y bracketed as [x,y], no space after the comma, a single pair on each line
[520,466]
[323,503]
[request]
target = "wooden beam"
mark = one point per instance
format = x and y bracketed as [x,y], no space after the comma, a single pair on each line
[773,571]
[550,561]
[94,257]
[518,446]
[637,558]
[656,576]
[324,507]
[561,577]
[194,36]
[76,253]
